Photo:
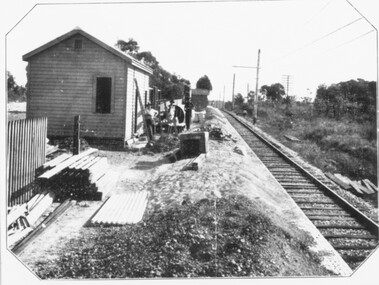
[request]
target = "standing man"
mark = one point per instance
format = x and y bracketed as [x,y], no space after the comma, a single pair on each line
[188,106]
[150,115]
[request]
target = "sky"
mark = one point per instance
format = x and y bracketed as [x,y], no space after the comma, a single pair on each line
[305,43]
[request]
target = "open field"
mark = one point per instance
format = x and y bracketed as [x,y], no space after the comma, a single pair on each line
[16,110]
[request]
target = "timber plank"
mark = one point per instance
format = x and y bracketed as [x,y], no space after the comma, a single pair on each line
[338,181]
[356,188]
[66,163]
[371,184]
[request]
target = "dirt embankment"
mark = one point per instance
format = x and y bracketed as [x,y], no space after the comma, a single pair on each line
[222,220]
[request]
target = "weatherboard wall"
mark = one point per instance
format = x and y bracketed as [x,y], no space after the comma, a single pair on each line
[62,84]
[133,119]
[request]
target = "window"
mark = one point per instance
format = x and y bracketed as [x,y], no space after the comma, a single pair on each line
[103,94]
[78,44]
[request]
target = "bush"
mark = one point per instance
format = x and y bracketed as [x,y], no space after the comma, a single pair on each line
[343,146]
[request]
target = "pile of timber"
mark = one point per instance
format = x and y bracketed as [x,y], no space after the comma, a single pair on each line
[84,176]
[361,187]
[22,219]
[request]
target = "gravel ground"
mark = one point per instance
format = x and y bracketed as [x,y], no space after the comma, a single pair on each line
[226,173]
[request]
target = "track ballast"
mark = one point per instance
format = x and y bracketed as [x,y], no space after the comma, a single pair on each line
[352,234]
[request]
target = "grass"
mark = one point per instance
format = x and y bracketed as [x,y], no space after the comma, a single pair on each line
[337,146]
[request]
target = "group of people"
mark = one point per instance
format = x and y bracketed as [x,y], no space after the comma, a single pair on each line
[174,116]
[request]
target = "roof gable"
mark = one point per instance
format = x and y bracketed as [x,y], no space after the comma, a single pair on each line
[76,31]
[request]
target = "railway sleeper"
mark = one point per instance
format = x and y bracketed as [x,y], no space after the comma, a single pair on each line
[350,236]
[316,206]
[275,160]
[304,192]
[298,188]
[285,171]
[289,174]
[309,196]
[318,214]
[292,177]
[268,155]
[330,202]
[353,243]
[299,184]
[353,247]
[328,218]
[339,226]
[295,181]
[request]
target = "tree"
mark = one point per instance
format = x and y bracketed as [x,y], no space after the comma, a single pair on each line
[15,92]
[238,100]
[274,92]
[355,99]
[148,59]
[171,86]
[130,47]
[11,81]
[204,83]
[251,97]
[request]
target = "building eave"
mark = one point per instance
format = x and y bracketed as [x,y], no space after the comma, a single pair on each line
[125,57]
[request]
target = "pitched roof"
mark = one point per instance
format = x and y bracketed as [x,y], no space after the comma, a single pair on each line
[77,30]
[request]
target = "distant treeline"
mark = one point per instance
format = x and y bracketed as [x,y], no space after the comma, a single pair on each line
[15,92]
[353,99]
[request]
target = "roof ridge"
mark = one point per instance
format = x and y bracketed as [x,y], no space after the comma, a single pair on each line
[76,30]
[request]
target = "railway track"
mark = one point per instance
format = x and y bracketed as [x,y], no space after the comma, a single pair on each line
[352,234]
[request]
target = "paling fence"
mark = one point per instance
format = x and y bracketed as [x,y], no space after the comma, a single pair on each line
[26,144]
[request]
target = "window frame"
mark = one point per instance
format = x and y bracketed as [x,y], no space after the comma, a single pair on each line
[81,44]
[94,93]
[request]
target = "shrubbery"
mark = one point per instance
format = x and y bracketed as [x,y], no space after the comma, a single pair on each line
[338,130]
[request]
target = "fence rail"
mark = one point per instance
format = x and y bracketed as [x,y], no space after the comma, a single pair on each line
[25,153]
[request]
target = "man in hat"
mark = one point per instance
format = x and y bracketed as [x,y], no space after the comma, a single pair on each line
[150,115]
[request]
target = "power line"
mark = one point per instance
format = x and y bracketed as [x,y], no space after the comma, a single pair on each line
[310,19]
[319,39]
[352,40]
[361,14]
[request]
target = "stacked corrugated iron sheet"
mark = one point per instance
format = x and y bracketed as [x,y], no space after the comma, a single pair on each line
[84,176]
[122,209]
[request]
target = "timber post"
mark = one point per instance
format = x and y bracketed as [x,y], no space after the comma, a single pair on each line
[76,147]
[142,110]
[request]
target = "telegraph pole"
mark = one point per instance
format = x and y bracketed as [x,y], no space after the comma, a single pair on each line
[234,79]
[223,99]
[287,80]
[255,116]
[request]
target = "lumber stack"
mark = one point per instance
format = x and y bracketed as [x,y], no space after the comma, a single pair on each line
[361,187]
[84,176]
[22,218]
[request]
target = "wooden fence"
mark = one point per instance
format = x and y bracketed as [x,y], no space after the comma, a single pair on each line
[25,153]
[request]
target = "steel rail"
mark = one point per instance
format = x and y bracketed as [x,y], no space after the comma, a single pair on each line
[371,225]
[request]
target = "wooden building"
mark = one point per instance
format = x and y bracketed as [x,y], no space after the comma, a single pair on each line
[77,74]
[199,99]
